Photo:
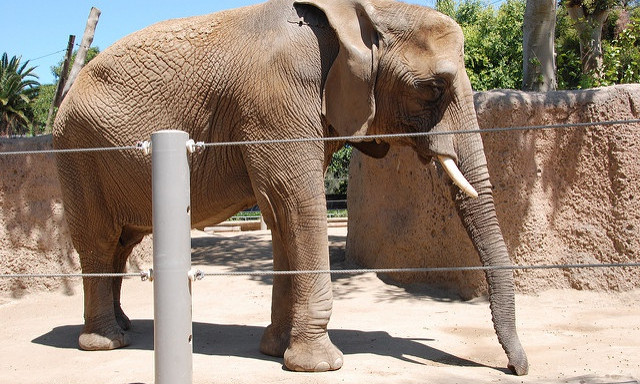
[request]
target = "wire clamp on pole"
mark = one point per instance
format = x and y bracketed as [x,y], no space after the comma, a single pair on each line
[145,146]
[194,147]
[196,275]
[147,275]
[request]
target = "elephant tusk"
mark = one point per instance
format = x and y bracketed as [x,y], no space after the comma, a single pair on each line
[456,176]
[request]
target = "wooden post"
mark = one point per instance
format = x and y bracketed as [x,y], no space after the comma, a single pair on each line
[63,78]
[87,39]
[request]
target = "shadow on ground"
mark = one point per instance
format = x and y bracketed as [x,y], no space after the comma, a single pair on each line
[242,341]
[252,252]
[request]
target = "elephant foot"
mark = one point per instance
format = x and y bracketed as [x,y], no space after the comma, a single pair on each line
[275,341]
[104,340]
[122,319]
[518,363]
[313,356]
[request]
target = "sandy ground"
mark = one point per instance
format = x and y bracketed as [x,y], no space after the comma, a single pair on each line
[389,333]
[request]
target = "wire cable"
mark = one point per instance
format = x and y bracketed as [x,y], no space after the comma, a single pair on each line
[66,151]
[70,275]
[423,270]
[339,138]
[419,134]
[200,274]
[50,54]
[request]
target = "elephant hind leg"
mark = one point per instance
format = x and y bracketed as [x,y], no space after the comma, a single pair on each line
[129,238]
[275,339]
[101,330]
[105,322]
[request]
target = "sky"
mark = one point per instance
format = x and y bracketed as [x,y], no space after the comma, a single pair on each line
[40,31]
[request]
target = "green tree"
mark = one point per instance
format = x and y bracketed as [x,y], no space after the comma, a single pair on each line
[337,177]
[448,7]
[18,90]
[91,53]
[589,17]
[620,48]
[621,63]
[493,41]
[48,92]
[41,107]
[539,58]
[568,52]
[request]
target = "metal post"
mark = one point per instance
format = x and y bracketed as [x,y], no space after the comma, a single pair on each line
[171,258]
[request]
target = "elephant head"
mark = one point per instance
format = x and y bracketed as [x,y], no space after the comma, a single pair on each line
[400,69]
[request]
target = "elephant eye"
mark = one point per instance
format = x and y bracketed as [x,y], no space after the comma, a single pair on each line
[431,90]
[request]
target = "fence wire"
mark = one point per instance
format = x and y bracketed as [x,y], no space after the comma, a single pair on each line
[199,275]
[418,270]
[142,275]
[145,275]
[418,134]
[77,150]
[391,136]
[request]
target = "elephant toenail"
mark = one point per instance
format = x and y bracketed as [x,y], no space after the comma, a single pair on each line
[322,367]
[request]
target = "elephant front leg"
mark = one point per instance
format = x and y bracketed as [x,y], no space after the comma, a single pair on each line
[275,339]
[301,304]
[310,349]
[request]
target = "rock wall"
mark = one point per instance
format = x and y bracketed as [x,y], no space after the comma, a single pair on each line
[34,237]
[562,195]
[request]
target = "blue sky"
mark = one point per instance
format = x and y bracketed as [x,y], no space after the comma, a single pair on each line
[37,28]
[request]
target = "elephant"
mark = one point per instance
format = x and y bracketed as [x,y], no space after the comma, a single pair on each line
[282,69]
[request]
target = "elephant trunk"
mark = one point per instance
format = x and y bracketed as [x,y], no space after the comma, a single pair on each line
[480,220]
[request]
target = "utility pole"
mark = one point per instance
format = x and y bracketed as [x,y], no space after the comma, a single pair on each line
[87,39]
[67,77]
[63,78]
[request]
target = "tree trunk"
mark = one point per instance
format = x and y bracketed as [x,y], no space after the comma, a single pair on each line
[87,39]
[589,27]
[57,99]
[539,63]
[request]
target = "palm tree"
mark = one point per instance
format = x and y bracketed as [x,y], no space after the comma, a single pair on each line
[18,90]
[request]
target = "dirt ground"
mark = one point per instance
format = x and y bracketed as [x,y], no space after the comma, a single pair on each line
[389,333]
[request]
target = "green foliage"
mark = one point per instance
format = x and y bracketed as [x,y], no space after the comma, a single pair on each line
[622,55]
[493,41]
[569,67]
[621,47]
[18,90]
[591,7]
[41,107]
[337,177]
[91,53]
[448,7]
[48,93]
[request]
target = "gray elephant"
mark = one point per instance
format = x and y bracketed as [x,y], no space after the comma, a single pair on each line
[279,70]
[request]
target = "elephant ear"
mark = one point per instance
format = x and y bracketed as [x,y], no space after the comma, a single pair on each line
[348,102]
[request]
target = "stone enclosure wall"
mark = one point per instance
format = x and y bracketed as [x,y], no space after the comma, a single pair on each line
[34,237]
[562,196]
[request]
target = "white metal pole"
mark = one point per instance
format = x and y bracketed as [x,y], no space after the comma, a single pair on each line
[171,258]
